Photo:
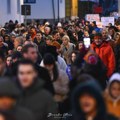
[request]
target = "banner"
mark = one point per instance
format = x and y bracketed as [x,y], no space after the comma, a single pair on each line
[92,17]
[106,20]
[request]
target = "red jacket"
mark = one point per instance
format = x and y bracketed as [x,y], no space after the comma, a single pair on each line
[106,54]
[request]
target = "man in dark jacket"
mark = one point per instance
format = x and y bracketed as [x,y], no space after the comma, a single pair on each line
[8,96]
[88,103]
[34,97]
[30,52]
[40,42]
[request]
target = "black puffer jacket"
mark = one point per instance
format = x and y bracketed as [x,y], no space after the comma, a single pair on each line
[92,88]
[38,100]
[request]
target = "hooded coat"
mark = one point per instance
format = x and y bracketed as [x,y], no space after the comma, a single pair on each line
[92,88]
[113,105]
[9,88]
[38,100]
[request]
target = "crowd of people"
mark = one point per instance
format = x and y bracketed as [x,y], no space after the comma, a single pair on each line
[66,70]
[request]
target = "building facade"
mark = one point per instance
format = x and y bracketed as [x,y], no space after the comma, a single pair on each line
[71,8]
[10,10]
[47,9]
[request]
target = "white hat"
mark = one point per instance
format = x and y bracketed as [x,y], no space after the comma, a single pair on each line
[47,23]
[114,77]
[59,25]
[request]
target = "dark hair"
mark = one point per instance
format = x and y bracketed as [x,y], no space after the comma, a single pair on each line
[26,62]
[39,32]
[2,56]
[26,47]
[54,32]
[50,60]
[17,55]
[76,53]
[8,56]
[97,34]
[84,77]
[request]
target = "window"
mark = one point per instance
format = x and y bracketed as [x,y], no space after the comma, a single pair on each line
[18,6]
[8,6]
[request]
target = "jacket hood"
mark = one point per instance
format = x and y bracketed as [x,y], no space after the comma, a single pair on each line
[114,77]
[92,88]
[8,88]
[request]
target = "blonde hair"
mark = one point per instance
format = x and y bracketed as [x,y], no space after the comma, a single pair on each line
[20,40]
[66,37]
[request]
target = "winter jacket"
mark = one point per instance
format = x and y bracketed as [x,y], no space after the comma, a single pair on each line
[93,89]
[113,105]
[41,46]
[9,88]
[61,86]
[21,113]
[66,52]
[117,57]
[38,100]
[106,54]
[44,75]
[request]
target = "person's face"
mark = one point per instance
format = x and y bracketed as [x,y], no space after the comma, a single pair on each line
[32,30]
[47,31]
[97,40]
[49,67]
[87,28]
[87,103]
[16,43]
[9,61]
[2,117]
[19,48]
[2,66]
[104,34]
[3,32]
[13,38]
[26,75]
[92,24]
[38,36]
[73,57]
[56,36]
[6,38]
[1,42]
[111,32]
[65,41]
[80,46]
[48,42]
[93,32]
[117,37]
[86,34]
[115,90]
[60,30]
[118,27]
[6,103]
[32,54]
